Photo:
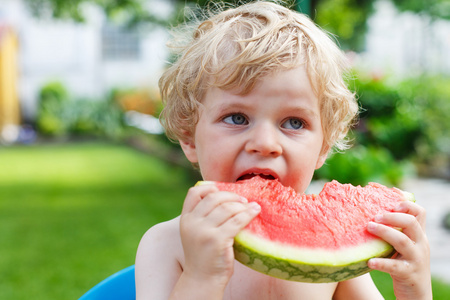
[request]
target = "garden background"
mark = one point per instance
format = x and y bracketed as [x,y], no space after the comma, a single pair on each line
[82,177]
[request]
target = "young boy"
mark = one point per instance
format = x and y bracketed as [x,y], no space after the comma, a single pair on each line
[259,91]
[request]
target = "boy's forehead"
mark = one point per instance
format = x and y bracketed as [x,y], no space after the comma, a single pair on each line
[243,86]
[293,83]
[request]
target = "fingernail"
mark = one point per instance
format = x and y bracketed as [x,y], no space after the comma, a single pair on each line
[378,218]
[398,207]
[371,226]
[243,199]
[255,207]
[372,263]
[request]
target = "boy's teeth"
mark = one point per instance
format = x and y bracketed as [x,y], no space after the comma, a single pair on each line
[251,175]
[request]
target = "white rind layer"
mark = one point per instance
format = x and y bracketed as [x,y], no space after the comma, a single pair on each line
[325,257]
[408,196]
[306,265]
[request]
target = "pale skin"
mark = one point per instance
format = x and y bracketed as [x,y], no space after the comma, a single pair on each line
[275,130]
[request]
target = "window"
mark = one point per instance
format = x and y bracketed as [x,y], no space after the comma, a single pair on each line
[120,43]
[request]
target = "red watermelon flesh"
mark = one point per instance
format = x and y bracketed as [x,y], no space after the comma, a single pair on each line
[312,238]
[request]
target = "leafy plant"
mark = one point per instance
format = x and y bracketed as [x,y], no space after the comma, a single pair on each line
[59,115]
[347,19]
[52,99]
[400,122]
[426,99]
[384,122]
[361,165]
[446,221]
[409,118]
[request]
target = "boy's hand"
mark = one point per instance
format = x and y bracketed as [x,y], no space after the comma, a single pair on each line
[209,222]
[410,270]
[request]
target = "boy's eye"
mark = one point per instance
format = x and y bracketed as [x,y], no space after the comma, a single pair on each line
[236,119]
[293,123]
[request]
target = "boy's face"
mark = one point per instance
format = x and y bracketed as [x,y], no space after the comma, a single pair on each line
[274,131]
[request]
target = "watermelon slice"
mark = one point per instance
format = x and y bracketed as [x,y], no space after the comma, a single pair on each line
[312,238]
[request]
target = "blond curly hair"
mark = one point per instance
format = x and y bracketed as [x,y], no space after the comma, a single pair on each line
[234,48]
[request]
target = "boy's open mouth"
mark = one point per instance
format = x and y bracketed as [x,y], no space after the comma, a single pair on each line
[251,175]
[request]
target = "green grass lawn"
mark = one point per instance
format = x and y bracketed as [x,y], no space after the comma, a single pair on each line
[72,214]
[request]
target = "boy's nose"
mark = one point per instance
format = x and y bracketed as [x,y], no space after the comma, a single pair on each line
[264,140]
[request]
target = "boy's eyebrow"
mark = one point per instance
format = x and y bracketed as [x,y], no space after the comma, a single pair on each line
[303,110]
[231,104]
[291,109]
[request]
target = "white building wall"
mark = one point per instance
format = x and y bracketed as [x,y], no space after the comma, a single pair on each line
[405,43]
[72,54]
[143,72]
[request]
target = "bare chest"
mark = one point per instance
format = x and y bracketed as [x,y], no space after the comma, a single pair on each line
[248,284]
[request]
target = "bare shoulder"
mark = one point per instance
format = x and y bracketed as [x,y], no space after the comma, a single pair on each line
[361,287]
[161,234]
[158,264]
[161,239]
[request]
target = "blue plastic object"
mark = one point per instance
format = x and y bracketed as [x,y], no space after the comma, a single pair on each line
[120,285]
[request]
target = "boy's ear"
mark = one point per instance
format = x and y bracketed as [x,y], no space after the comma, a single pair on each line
[188,146]
[321,160]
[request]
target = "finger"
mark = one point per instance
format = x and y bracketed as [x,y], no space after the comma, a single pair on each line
[408,223]
[196,194]
[413,209]
[400,241]
[224,211]
[395,267]
[236,223]
[213,200]
[209,235]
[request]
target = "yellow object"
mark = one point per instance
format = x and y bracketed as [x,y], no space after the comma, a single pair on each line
[9,100]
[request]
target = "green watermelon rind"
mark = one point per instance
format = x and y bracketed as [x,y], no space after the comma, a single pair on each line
[316,266]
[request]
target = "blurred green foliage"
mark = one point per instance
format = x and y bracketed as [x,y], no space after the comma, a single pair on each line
[52,98]
[60,116]
[410,118]
[361,165]
[130,12]
[400,122]
[388,120]
[347,19]
[446,221]
[437,9]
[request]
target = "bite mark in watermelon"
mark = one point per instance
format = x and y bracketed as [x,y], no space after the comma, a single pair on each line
[312,238]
